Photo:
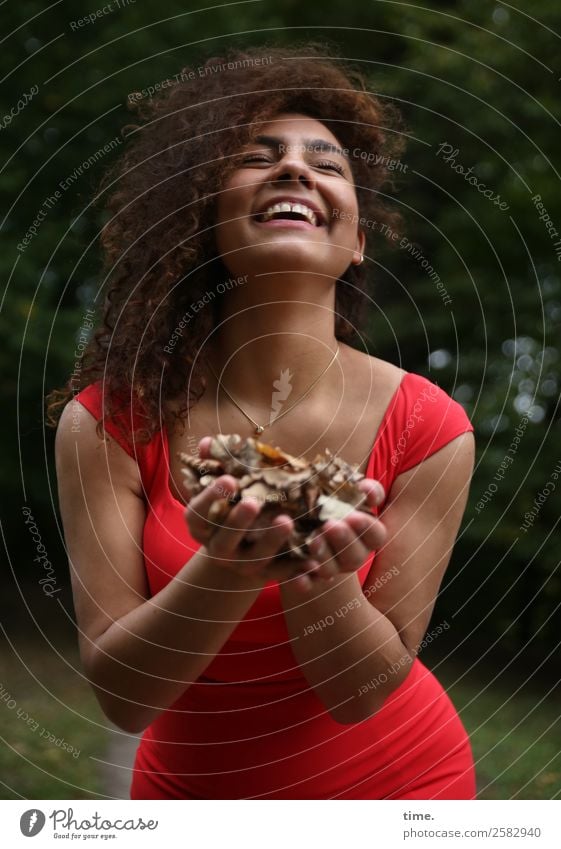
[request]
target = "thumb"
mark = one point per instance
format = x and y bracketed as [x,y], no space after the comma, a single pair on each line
[204,447]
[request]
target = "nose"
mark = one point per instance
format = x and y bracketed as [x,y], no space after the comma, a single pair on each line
[293,170]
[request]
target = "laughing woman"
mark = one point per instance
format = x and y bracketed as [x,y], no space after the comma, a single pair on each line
[235,255]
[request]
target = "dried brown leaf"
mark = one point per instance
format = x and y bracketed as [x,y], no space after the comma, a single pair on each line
[311,492]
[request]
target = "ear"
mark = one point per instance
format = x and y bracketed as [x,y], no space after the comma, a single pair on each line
[358,254]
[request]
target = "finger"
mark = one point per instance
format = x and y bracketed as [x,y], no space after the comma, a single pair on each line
[375,492]
[370,530]
[196,513]
[267,555]
[302,583]
[349,552]
[323,553]
[204,447]
[296,568]
[226,541]
[266,546]
[297,574]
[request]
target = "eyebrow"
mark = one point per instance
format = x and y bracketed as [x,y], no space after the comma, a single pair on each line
[319,144]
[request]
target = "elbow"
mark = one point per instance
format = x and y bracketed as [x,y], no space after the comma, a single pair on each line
[129,723]
[125,714]
[343,719]
[354,711]
[366,702]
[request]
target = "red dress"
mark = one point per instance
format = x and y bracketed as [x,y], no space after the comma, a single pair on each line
[251,727]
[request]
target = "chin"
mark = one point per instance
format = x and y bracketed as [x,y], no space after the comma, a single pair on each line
[270,258]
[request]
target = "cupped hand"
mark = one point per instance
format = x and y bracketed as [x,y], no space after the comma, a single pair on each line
[338,546]
[235,544]
[344,545]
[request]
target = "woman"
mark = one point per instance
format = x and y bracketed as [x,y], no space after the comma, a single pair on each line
[235,256]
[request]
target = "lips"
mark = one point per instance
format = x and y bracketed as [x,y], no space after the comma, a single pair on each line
[290,211]
[286,224]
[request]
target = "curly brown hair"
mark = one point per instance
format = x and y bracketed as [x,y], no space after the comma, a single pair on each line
[158,243]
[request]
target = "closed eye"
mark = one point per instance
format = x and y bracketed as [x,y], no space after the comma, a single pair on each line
[326,164]
[256,157]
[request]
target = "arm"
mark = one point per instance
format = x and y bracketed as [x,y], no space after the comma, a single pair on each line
[139,653]
[365,640]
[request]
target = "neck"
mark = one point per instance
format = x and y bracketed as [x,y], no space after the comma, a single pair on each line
[272,340]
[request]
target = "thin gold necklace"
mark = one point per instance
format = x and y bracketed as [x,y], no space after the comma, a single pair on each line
[260,428]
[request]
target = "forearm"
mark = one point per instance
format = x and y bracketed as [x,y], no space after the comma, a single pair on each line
[349,652]
[147,658]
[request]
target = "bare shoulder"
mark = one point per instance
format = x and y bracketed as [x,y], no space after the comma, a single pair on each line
[385,370]
[79,449]
[382,374]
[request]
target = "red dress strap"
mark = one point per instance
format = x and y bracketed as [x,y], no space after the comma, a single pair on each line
[121,426]
[92,399]
[431,419]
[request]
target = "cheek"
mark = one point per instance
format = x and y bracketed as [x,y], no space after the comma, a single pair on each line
[226,207]
[224,238]
[223,208]
[234,201]
[349,200]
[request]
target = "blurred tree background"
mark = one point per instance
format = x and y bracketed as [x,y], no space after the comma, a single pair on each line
[478,84]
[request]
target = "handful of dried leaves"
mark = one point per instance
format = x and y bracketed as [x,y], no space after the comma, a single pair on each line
[309,492]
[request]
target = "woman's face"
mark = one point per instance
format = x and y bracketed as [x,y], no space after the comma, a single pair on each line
[290,204]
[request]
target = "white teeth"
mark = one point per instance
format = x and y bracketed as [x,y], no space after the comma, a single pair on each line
[286,206]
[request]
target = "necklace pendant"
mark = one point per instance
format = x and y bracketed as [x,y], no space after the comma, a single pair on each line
[259,429]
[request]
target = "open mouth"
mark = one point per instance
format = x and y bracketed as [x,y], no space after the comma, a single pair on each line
[289,212]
